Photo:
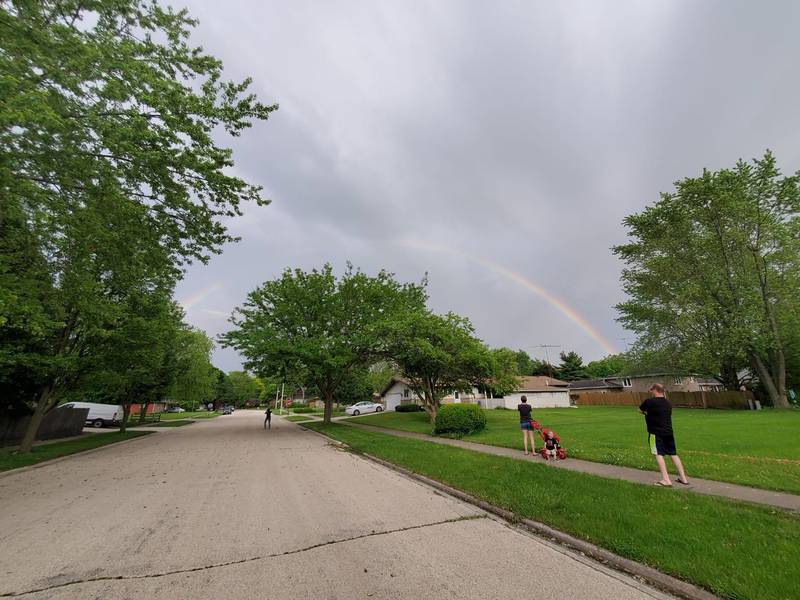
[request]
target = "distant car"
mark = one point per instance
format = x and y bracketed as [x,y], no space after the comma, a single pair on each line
[100,415]
[363,407]
[227,410]
[175,409]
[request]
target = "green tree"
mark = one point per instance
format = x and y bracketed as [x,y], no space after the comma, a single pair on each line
[609,366]
[318,325]
[197,378]
[571,367]
[244,388]
[355,387]
[107,153]
[712,272]
[438,355]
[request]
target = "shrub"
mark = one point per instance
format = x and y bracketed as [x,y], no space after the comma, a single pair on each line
[501,408]
[303,409]
[408,408]
[459,419]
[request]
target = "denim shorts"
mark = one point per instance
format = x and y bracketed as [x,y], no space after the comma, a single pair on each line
[526,425]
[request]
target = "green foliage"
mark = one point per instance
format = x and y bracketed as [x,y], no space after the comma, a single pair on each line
[111,179]
[571,367]
[242,388]
[304,409]
[438,354]
[712,273]
[505,372]
[315,324]
[197,378]
[460,419]
[610,366]
[403,408]
[354,387]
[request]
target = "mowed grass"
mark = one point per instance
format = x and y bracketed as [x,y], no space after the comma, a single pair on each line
[199,414]
[733,549]
[10,460]
[299,418]
[171,423]
[754,448]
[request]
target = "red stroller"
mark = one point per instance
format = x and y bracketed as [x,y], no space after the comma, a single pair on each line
[543,432]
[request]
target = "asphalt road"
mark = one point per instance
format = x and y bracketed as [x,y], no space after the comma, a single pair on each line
[224,509]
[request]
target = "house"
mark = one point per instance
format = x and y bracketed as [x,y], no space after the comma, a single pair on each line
[541,392]
[398,391]
[672,382]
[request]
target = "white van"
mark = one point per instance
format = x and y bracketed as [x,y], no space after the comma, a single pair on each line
[100,415]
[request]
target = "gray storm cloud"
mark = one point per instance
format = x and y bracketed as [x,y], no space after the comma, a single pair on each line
[504,140]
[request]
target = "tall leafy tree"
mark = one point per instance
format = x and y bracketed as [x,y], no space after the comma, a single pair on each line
[107,159]
[197,379]
[319,325]
[712,272]
[244,387]
[438,355]
[608,366]
[571,367]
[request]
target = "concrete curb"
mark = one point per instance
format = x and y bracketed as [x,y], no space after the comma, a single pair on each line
[52,461]
[657,579]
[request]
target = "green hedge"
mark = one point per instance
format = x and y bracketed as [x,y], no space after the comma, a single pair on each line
[408,408]
[460,419]
[303,409]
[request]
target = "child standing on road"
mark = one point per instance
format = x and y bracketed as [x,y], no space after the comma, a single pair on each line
[268,418]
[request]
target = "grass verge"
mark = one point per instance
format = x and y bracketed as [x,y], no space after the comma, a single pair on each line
[171,423]
[10,460]
[189,415]
[733,549]
[299,418]
[753,448]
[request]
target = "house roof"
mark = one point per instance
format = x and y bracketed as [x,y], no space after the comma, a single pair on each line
[609,383]
[392,381]
[541,383]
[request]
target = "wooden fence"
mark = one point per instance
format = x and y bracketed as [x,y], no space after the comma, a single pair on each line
[730,400]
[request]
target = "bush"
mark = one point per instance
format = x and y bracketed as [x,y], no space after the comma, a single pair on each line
[303,409]
[408,408]
[459,419]
[501,408]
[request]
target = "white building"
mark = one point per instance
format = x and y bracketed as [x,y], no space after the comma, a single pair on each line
[542,392]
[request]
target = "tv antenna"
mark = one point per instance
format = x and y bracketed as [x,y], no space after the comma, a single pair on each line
[547,356]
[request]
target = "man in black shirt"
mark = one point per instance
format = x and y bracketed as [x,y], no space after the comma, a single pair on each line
[657,412]
[268,418]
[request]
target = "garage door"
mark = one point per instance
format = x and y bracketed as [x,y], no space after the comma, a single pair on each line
[392,400]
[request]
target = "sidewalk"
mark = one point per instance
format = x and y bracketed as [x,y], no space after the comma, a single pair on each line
[700,486]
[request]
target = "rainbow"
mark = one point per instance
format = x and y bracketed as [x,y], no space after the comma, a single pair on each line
[200,295]
[551,298]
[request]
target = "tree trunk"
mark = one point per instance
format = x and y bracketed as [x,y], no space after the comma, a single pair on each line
[126,412]
[142,412]
[42,405]
[777,396]
[326,415]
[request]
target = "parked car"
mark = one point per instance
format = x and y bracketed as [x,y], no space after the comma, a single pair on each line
[175,409]
[363,407]
[227,410]
[100,415]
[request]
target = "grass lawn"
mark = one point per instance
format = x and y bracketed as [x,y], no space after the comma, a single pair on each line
[199,414]
[733,549]
[171,423]
[10,460]
[299,418]
[755,448]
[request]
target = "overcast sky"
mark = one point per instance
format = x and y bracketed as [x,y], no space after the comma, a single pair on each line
[496,146]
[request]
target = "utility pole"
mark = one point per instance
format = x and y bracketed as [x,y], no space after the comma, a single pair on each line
[547,357]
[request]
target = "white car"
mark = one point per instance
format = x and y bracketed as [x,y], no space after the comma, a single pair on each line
[359,408]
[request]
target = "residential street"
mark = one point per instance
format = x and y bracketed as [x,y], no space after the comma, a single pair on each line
[224,509]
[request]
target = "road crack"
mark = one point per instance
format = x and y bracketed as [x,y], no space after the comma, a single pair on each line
[241,560]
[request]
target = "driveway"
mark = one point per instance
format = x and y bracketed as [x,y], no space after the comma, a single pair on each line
[224,509]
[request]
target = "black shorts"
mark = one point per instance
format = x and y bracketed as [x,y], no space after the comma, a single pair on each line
[663,445]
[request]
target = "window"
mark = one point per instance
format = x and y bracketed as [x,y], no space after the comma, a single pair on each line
[626,382]
[455,395]
[677,380]
[406,393]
